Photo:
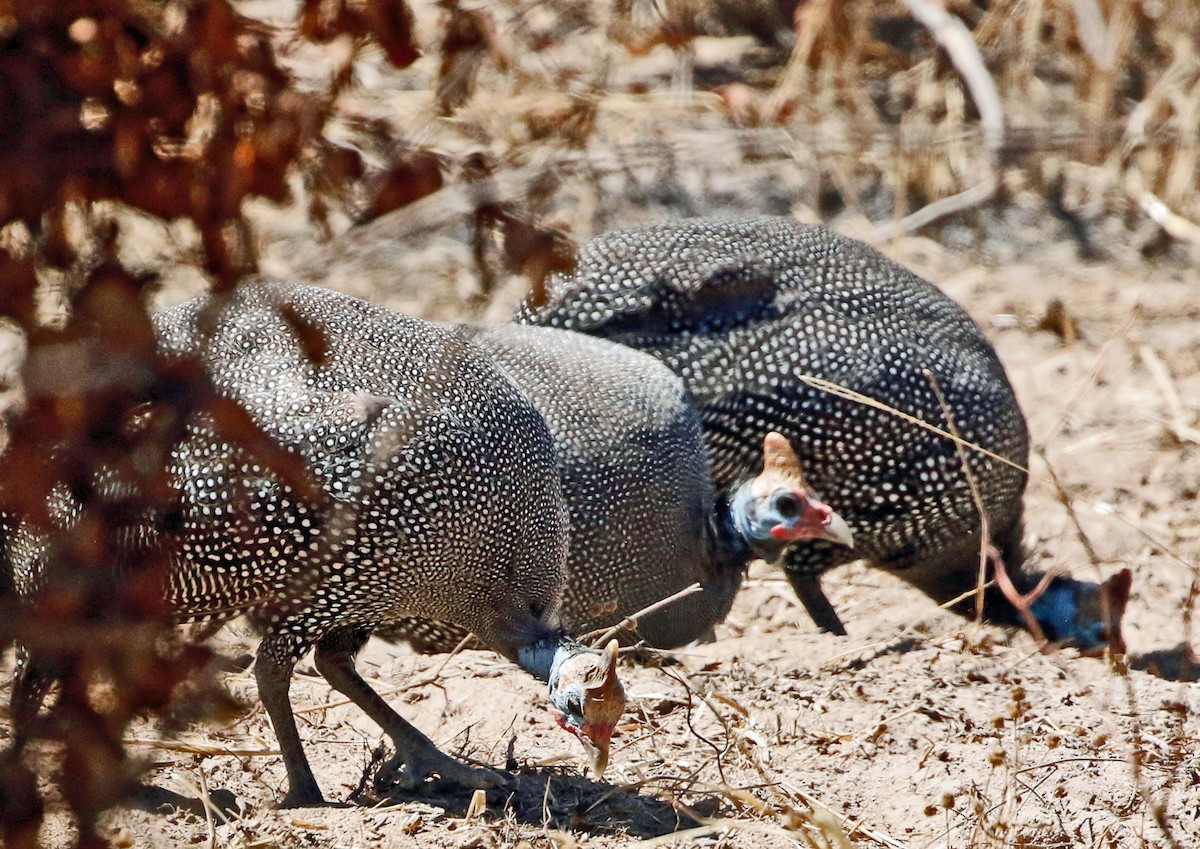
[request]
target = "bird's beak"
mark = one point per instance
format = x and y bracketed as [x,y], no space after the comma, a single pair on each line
[818,521]
[1114,596]
[1108,603]
[597,756]
[837,531]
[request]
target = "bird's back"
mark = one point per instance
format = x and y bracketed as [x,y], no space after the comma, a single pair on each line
[435,488]
[635,476]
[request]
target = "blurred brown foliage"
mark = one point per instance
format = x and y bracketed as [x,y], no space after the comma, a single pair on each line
[180,110]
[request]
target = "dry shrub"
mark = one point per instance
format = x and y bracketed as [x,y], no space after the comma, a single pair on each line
[182,111]
[1100,101]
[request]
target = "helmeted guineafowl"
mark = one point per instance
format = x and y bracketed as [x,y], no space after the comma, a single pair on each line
[646,521]
[440,499]
[750,311]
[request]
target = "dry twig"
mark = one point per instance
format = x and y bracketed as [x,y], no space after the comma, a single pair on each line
[431,678]
[1179,424]
[926,215]
[984,524]
[630,623]
[851,395]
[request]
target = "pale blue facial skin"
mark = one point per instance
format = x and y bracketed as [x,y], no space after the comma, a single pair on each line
[544,659]
[568,700]
[755,520]
[1057,611]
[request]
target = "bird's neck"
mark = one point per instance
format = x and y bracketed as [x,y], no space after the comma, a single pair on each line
[544,658]
[726,541]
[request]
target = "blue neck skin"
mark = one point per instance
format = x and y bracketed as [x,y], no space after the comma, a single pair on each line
[1057,611]
[735,539]
[739,517]
[729,545]
[545,658]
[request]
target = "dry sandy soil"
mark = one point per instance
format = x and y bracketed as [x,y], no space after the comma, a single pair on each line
[918,729]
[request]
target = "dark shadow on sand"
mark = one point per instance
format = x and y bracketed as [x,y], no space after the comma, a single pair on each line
[154,799]
[564,800]
[1177,663]
[542,797]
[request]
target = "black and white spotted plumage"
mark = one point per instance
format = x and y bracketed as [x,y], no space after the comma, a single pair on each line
[437,497]
[743,310]
[414,437]
[645,519]
[635,477]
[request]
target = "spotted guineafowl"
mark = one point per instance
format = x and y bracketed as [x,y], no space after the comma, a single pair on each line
[768,322]
[440,499]
[645,519]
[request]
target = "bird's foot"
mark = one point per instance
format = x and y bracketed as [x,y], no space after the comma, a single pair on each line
[408,770]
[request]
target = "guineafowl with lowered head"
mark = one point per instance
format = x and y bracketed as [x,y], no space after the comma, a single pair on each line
[777,325]
[438,497]
[646,521]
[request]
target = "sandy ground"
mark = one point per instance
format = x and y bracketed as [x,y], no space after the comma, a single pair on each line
[918,729]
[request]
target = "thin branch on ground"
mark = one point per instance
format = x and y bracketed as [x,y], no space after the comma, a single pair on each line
[431,678]
[1179,425]
[970,198]
[1172,223]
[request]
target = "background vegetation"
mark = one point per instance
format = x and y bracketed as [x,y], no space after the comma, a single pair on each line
[151,146]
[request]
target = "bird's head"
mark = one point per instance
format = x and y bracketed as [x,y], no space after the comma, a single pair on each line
[587,698]
[776,508]
[1084,615]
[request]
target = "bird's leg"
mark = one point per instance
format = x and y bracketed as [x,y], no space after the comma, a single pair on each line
[808,590]
[334,658]
[1022,603]
[273,667]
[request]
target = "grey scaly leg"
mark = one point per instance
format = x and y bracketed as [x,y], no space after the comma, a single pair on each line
[334,659]
[277,656]
[816,603]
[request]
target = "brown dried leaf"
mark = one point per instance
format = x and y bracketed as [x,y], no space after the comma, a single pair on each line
[536,252]
[1058,320]
[415,175]
[468,39]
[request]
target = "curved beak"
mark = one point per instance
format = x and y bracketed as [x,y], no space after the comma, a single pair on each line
[597,755]
[1111,597]
[816,521]
[836,530]
[787,504]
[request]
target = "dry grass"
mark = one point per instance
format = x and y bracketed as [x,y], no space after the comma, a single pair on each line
[1089,122]
[777,735]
